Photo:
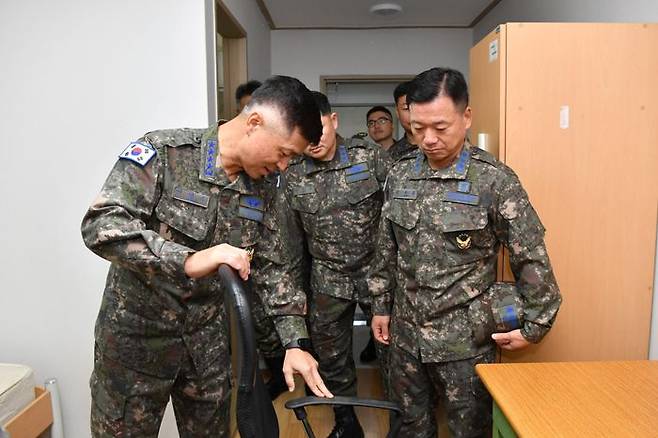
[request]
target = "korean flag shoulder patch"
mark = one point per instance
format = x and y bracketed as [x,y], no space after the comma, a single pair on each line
[140,153]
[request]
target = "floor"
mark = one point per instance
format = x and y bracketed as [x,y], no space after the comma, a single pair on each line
[373,421]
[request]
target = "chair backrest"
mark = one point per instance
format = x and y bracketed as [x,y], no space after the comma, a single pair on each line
[255,413]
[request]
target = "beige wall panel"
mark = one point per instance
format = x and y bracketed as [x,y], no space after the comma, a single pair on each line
[594,183]
[487,97]
[487,89]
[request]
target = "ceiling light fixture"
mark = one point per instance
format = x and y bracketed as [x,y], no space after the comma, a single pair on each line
[385,9]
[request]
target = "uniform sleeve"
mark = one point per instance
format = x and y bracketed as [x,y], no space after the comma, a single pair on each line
[519,228]
[115,227]
[281,283]
[382,278]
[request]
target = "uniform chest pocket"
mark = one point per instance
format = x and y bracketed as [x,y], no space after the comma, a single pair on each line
[402,212]
[467,236]
[189,219]
[305,199]
[362,189]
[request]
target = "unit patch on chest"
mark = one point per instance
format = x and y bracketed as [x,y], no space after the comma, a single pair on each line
[252,208]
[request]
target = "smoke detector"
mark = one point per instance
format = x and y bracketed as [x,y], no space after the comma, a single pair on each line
[385,9]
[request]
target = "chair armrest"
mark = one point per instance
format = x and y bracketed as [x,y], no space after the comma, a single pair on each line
[342,401]
[298,404]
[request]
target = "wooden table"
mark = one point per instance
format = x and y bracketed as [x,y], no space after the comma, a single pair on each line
[573,399]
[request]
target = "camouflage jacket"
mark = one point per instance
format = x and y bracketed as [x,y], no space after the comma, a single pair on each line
[401,149]
[440,233]
[335,205]
[147,219]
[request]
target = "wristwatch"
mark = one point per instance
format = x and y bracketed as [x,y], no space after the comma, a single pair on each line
[301,343]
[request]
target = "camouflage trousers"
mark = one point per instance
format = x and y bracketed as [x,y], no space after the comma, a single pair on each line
[127,403]
[331,322]
[414,386]
[267,337]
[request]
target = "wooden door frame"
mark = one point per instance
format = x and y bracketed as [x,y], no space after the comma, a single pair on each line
[361,78]
[220,21]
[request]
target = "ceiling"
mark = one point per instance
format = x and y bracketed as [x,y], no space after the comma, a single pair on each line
[354,14]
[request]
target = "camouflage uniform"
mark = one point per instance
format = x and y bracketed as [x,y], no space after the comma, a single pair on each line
[160,333]
[336,205]
[267,337]
[401,149]
[440,233]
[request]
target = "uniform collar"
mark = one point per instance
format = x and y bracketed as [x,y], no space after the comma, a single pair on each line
[243,184]
[457,170]
[208,170]
[341,159]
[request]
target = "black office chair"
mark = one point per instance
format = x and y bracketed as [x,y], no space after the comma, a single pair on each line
[256,417]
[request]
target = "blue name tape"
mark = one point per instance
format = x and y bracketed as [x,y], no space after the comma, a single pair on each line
[357,168]
[462,198]
[357,177]
[248,213]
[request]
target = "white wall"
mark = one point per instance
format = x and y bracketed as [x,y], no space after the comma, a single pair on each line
[308,54]
[258,36]
[79,80]
[567,11]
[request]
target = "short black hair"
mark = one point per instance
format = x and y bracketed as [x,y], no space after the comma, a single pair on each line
[295,103]
[401,90]
[439,81]
[379,108]
[322,102]
[246,89]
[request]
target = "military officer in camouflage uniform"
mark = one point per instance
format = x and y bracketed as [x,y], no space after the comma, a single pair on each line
[399,150]
[449,208]
[405,144]
[177,204]
[335,196]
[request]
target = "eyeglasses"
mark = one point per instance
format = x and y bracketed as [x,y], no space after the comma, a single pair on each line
[380,121]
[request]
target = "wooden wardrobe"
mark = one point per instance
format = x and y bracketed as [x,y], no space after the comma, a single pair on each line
[573,109]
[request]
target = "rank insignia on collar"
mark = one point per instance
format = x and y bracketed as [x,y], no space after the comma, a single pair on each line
[463,241]
[140,153]
[211,159]
[342,153]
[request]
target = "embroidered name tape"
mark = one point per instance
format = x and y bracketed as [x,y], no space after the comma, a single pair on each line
[462,198]
[248,213]
[357,176]
[357,168]
[191,197]
[405,194]
[304,190]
